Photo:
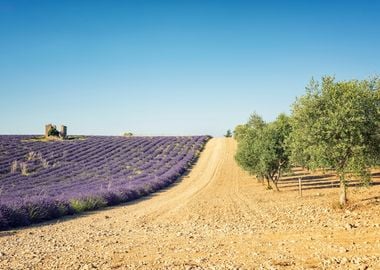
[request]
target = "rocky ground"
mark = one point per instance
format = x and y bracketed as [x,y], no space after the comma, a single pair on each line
[216,217]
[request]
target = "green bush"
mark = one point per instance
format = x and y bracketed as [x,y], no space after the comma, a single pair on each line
[53,132]
[90,203]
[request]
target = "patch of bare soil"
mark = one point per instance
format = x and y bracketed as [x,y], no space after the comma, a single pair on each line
[216,217]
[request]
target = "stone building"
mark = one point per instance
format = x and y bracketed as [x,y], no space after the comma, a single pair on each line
[48,127]
[62,133]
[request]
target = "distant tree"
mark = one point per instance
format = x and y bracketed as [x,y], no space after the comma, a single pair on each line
[336,125]
[128,134]
[53,131]
[262,151]
[228,134]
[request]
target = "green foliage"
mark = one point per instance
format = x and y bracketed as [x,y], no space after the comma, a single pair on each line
[53,132]
[128,134]
[228,134]
[36,213]
[239,131]
[90,203]
[336,125]
[247,135]
[261,148]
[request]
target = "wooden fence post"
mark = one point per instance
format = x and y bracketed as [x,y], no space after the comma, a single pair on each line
[300,187]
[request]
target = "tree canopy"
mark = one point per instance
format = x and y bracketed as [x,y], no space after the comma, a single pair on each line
[228,134]
[336,126]
[261,148]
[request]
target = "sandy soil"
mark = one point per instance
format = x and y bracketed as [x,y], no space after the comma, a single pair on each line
[216,217]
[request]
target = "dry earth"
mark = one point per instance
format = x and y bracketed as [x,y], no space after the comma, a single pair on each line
[216,217]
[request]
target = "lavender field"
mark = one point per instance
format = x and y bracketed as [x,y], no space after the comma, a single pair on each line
[45,180]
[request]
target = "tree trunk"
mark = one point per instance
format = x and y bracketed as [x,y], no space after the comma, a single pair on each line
[343,191]
[276,186]
[268,183]
[277,177]
[274,179]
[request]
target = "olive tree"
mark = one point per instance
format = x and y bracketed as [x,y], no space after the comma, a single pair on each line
[276,149]
[247,155]
[336,125]
[262,150]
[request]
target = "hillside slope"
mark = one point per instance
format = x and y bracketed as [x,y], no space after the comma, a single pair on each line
[216,217]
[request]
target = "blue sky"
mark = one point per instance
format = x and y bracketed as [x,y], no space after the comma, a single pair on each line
[173,67]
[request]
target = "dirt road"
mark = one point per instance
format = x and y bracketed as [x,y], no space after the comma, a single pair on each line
[216,217]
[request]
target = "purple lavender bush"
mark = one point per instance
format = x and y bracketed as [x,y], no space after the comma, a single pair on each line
[40,181]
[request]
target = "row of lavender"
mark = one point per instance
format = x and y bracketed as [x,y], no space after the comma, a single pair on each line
[45,180]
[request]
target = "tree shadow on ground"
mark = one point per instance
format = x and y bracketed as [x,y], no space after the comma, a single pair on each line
[324,181]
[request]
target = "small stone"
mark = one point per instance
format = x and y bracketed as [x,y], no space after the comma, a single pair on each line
[85,267]
[350,226]
[344,260]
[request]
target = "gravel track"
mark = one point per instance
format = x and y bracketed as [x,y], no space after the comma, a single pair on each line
[216,217]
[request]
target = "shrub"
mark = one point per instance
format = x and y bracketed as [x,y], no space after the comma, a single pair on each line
[13,215]
[111,198]
[53,132]
[86,204]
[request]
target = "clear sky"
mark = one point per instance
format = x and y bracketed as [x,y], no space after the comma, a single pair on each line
[173,67]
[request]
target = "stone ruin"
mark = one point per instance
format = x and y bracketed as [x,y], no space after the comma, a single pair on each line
[62,133]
